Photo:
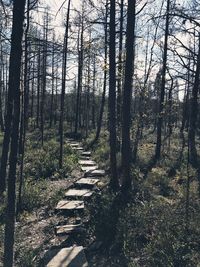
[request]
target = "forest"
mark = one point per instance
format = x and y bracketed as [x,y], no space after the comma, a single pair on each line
[99,133]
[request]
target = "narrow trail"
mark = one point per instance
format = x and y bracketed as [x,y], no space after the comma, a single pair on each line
[72,207]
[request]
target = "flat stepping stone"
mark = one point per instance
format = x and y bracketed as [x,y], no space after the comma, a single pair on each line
[67,257]
[87,162]
[86,153]
[68,229]
[95,173]
[84,158]
[79,193]
[70,140]
[87,181]
[74,144]
[70,205]
[79,148]
[89,168]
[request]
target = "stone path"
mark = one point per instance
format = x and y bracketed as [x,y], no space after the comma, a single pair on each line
[73,203]
[67,257]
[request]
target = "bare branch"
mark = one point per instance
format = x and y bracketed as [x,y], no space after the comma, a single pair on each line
[61,7]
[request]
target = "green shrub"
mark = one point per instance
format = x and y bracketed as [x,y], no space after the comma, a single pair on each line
[26,257]
[33,196]
[56,197]
[103,217]
[153,234]
[44,162]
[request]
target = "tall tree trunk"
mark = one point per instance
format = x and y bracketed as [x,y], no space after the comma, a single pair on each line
[1,108]
[80,74]
[52,85]
[32,91]
[120,70]
[44,79]
[114,183]
[9,110]
[24,111]
[64,69]
[127,96]
[93,94]
[87,110]
[162,90]
[14,93]
[194,114]
[38,87]
[103,99]
[56,95]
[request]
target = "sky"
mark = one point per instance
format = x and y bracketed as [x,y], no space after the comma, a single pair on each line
[57,19]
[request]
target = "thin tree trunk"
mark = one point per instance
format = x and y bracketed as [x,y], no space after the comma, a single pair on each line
[64,69]
[44,66]
[80,74]
[38,88]
[127,96]
[162,90]
[194,114]
[93,95]
[24,112]
[114,183]
[120,70]
[1,109]
[52,86]
[103,99]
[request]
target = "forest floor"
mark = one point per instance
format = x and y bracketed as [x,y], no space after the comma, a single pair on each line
[35,232]
[154,228]
[44,186]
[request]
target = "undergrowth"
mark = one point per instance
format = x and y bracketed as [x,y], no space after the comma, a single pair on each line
[152,229]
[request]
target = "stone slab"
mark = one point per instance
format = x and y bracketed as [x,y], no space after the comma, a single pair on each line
[89,168]
[87,162]
[67,257]
[87,181]
[78,148]
[74,144]
[79,193]
[68,229]
[70,205]
[70,140]
[86,153]
[95,173]
[85,158]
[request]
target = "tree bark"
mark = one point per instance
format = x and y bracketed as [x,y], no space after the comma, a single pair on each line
[120,70]
[103,99]
[114,183]
[80,74]
[127,96]
[162,92]
[14,96]
[194,115]
[64,69]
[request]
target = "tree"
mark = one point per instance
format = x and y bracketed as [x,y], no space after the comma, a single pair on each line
[162,89]
[44,74]
[13,117]
[194,114]
[62,100]
[127,96]
[120,68]
[114,183]
[80,71]
[103,98]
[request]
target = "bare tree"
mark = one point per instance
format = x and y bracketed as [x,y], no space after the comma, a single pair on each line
[13,117]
